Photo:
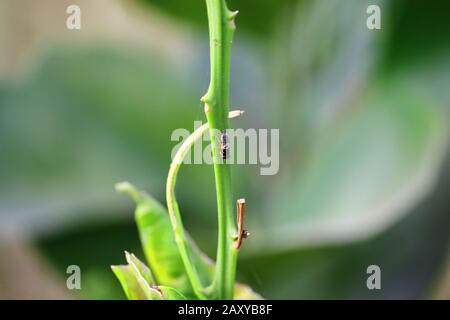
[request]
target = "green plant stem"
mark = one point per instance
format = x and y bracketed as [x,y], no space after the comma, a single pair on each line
[221,28]
[174,212]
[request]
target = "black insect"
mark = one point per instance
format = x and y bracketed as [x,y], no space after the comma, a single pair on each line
[224,145]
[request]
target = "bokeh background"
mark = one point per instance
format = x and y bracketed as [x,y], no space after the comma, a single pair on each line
[363,118]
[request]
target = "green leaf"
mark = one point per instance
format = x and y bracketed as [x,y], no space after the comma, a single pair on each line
[134,284]
[159,244]
[138,283]
[171,294]
[362,174]
[140,269]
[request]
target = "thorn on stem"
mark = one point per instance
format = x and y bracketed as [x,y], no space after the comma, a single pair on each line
[232,14]
[235,113]
[242,234]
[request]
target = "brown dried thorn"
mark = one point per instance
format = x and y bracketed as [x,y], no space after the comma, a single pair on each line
[240,206]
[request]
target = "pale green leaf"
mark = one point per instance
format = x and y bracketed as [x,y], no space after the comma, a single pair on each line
[135,287]
[138,283]
[362,174]
[159,244]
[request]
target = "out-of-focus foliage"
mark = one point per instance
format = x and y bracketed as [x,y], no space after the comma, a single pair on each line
[257,19]
[363,118]
[359,153]
[442,285]
[361,174]
[69,133]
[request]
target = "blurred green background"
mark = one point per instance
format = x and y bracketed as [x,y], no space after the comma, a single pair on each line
[363,118]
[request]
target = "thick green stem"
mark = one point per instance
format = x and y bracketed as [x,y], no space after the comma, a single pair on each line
[174,211]
[221,28]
